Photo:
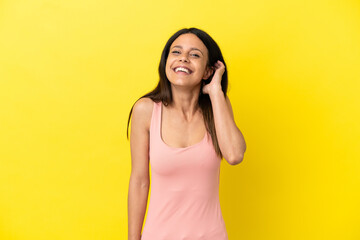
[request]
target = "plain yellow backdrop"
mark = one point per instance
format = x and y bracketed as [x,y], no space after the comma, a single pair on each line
[71,70]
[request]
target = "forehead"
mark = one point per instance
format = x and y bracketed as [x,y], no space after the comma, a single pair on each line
[189,40]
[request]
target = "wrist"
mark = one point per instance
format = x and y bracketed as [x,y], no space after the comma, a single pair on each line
[215,92]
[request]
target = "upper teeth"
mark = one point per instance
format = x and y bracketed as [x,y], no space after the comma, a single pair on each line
[182,69]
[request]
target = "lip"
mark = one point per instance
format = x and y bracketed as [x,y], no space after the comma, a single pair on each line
[183,67]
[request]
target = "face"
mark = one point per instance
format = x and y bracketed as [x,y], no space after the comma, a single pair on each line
[186,64]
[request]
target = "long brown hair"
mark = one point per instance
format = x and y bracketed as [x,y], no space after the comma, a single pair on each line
[162,91]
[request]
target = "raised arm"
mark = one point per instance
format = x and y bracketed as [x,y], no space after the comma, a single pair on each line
[139,179]
[231,141]
[230,138]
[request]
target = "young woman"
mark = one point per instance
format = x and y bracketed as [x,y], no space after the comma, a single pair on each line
[183,128]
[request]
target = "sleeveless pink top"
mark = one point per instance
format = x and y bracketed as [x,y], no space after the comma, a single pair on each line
[184,200]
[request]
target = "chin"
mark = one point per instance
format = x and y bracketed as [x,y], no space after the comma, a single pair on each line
[179,82]
[182,83]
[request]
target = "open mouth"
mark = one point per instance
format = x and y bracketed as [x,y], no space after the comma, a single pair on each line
[182,70]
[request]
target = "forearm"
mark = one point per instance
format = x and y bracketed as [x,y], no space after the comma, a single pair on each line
[137,201]
[230,139]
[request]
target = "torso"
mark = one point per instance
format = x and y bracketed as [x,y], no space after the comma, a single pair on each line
[184,200]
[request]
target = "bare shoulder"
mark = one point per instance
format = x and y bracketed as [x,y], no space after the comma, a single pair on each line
[142,111]
[144,107]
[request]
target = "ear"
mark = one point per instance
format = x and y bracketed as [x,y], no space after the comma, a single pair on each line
[208,72]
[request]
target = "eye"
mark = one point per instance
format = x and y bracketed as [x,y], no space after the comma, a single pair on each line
[195,55]
[176,52]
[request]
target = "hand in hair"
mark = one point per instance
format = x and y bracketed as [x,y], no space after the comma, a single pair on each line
[215,83]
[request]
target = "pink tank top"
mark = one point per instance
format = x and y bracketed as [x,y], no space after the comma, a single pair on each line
[184,200]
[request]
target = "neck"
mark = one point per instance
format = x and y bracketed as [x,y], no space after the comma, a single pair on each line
[185,101]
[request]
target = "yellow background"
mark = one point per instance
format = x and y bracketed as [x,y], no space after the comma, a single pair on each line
[71,70]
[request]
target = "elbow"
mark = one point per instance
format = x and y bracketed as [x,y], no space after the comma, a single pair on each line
[236,155]
[235,159]
[144,185]
[141,182]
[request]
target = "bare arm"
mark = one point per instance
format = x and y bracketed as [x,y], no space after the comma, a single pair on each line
[231,141]
[139,179]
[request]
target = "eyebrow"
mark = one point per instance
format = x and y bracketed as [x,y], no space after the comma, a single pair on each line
[178,46]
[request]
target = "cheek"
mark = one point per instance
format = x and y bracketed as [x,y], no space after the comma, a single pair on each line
[202,68]
[167,70]
[168,64]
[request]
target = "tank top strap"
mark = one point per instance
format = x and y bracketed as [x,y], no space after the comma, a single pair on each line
[155,121]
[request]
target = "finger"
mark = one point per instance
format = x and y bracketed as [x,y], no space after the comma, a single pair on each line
[220,67]
[220,63]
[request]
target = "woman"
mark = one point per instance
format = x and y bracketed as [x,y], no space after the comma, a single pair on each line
[182,128]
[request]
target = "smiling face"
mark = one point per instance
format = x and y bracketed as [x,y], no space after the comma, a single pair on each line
[186,64]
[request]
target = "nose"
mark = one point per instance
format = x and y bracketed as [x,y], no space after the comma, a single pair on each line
[183,58]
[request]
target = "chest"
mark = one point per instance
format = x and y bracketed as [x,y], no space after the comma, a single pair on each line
[177,131]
